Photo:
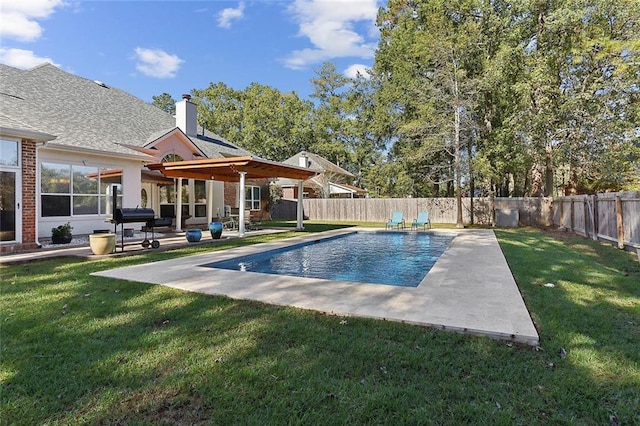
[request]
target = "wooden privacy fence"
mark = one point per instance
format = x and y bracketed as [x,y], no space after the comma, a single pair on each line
[611,216]
[530,211]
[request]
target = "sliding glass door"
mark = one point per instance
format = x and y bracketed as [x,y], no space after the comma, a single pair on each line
[10,192]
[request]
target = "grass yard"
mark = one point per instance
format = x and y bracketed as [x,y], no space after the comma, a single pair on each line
[77,349]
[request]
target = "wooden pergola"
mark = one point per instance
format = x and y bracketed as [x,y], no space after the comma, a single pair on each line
[233,169]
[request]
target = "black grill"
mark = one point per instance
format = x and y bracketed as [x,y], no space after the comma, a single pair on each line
[130,215]
[125,215]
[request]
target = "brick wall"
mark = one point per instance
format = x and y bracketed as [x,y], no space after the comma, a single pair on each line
[231,196]
[29,205]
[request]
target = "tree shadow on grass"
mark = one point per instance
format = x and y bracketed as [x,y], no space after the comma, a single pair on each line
[109,351]
[585,300]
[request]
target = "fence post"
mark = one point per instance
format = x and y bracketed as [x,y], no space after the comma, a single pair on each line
[594,212]
[571,214]
[493,209]
[619,222]
[585,215]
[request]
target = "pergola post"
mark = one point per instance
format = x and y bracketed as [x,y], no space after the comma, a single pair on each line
[241,206]
[300,210]
[209,200]
[179,206]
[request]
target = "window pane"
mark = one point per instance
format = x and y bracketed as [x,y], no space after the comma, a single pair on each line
[169,158]
[85,204]
[167,194]
[185,192]
[8,153]
[106,198]
[252,198]
[55,178]
[85,180]
[201,210]
[200,191]
[56,205]
[110,177]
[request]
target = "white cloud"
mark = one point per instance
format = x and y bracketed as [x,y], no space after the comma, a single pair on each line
[229,14]
[330,27]
[353,70]
[157,63]
[20,18]
[24,59]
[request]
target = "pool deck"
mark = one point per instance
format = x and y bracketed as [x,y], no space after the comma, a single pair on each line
[470,289]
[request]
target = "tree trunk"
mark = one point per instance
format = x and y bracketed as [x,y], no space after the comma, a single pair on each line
[548,190]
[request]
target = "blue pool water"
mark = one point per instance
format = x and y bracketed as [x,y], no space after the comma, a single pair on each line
[393,258]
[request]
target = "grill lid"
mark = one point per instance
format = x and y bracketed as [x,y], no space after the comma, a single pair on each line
[125,215]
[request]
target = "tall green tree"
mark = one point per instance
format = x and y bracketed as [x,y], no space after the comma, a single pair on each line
[545,93]
[330,115]
[437,71]
[220,109]
[363,142]
[165,102]
[578,94]
[261,119]
[275,125]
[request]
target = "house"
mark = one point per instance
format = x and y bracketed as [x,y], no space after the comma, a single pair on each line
[70,146]
[332,180]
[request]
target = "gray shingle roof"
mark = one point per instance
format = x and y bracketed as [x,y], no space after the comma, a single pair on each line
[320,163]
[85,114]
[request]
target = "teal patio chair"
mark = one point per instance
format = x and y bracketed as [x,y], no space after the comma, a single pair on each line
[422,220]
[397,220]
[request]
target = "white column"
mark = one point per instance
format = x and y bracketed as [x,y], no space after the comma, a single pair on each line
[299,226]
[191,198]
[209,200]
[241,206]
[179,206]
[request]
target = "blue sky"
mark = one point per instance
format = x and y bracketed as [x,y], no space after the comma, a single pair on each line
[150,47]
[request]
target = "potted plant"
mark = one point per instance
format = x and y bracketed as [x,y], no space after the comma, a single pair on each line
[61,234]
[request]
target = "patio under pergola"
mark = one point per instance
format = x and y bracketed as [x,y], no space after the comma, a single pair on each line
[232,169]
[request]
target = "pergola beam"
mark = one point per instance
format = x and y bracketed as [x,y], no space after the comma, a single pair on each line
[228,169]
[235,169]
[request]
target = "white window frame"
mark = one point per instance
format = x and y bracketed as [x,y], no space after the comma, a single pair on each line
[17,170]
[250,202]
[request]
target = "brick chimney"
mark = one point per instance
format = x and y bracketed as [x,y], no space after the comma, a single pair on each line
[187,116]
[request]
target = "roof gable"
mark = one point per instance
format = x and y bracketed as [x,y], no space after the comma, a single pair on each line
[317,162]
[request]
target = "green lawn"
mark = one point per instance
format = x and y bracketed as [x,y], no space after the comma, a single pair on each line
[78,349]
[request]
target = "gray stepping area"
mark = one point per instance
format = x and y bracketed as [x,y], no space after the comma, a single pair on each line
[470,289]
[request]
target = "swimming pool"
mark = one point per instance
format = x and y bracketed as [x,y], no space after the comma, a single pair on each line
[392,258]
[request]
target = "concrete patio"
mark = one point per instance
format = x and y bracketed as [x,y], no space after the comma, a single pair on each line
[470,289]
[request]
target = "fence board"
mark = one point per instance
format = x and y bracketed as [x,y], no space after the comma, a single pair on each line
[596,216]
[532,211]
[591,216]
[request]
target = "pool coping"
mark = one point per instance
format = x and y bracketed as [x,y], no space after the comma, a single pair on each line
[470,289]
